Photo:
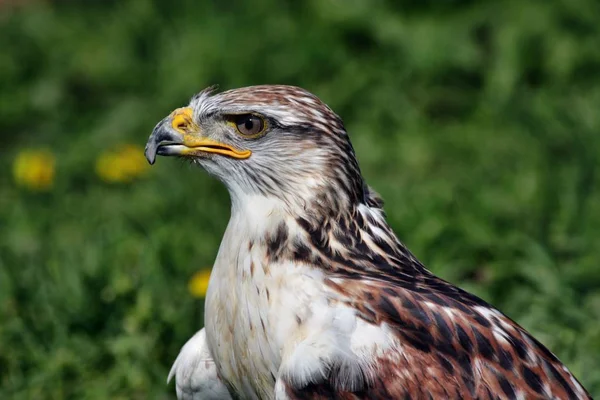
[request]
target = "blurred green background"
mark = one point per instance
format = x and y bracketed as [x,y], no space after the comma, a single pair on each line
[477,121]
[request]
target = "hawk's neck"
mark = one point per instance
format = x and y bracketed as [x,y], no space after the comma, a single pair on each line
[344,239]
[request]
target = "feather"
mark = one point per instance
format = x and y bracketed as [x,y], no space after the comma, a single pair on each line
[195,372]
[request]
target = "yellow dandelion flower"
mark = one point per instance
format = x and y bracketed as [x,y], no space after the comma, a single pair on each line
[122,164]
[34,169]
[198,285]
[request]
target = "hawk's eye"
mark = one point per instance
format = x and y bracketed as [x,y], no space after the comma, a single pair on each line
[249,124]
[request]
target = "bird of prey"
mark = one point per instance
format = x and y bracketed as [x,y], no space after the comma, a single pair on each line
[312,296]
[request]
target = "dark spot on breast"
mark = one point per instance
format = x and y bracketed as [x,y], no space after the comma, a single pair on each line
[370,218]
[519,347]
[446,364]
[445,347]
[361,248]
[506,387]
[383,245]
[462,307]
[360,221]
[442,326]
[268,294]
[252,268]
[420,315]
[505,359]
[301,252]
[415,310]
[483,345]
[304,224]
[464,339]
[559,378]
[390,310]
[277,241]
[417,341]
[434,298]
[368,315]
[532,379]
[376,258]
[344,239]
[481,320]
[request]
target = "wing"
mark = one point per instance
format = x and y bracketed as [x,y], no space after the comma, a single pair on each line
[443,343]
[195,372]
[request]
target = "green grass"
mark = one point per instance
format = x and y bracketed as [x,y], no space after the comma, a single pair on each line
[477,122]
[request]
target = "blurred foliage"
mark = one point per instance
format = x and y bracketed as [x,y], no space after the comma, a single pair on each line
[198,284]
[122,164]
[477,121]
[34,169]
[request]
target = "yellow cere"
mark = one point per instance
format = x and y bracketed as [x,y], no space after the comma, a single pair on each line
[182,119]
[122,164]
[34,169]
[198,284]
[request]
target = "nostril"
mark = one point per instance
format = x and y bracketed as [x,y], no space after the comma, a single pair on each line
[180,122]
[182,119]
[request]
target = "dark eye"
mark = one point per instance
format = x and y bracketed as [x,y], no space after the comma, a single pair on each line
[249,125]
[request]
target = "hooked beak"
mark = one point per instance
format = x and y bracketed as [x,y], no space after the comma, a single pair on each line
[179,135]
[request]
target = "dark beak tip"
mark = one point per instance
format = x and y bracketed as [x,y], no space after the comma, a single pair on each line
[161,135]
[150,153]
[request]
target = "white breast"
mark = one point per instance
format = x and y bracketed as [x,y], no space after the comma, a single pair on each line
[253,308]
[269,321]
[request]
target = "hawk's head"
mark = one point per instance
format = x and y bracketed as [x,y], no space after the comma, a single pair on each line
[269,140]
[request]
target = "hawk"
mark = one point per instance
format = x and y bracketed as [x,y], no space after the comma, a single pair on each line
[312,295]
